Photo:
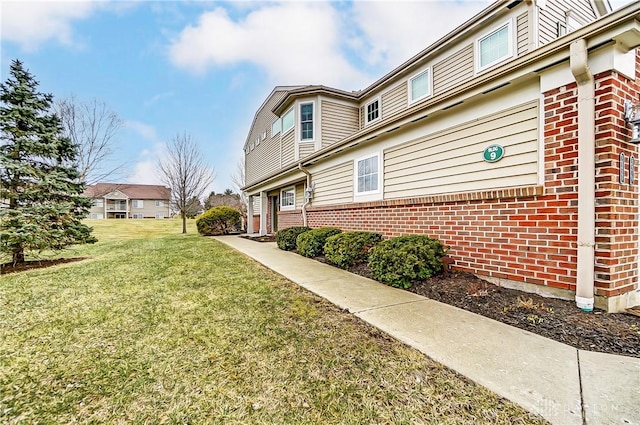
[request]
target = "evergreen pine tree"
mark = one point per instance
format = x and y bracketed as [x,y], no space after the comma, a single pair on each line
[40,190]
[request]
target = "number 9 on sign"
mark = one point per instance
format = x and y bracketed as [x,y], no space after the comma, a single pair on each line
[493,153]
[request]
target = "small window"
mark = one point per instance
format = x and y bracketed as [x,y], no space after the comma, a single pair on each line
[252,146]
[98,203]
[159,203]
[288,198]
[420,86]
[159,216]
[372,111]
[137,203]
[367,175]
[495,47]
[287,121]
[306,121]
[97,216]
[275,127]
[264,134]
[138,216]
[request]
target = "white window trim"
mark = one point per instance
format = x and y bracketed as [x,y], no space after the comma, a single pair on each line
[313,122]
[137,216]
[137,203]
[372,195]
[429,91]
[510,50]
[159,203]
[159,216]
[279,127]
[293,125]
[288,207]
[366,115]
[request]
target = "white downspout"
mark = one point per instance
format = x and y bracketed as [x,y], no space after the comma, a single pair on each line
[307,199]
[586,174]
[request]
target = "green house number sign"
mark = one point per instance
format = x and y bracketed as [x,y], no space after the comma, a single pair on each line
[493,153]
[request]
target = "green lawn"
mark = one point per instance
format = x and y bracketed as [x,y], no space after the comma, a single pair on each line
[159,327]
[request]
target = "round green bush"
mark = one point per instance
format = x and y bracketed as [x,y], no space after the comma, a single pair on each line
[286,238]
[399,261]
[218,221]
[345,249]
[311,243]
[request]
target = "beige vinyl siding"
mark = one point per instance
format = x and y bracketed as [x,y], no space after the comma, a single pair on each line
[305,149]
[453,70]
[265,158]
[288,148]
[451,160]
[522,28]
[556,11]
[338,122]
[149,209]
[395,100]
[299,196]
[361,118]
[333,185]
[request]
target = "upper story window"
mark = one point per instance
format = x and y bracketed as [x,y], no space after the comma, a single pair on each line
[306,121]
[137,203]
[275,127]
[494,47]
[264,135]
[287,121]
[288,198]
[420,86]
[367,175]
[372,111]
[571,23]
[159,203]
[98,203]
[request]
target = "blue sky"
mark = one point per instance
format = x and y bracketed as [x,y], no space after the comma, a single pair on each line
[204,68]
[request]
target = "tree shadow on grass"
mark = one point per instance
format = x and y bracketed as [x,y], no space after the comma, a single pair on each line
[7,268]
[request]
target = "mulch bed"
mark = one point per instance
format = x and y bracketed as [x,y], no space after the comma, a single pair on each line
[7,268]
[553,318]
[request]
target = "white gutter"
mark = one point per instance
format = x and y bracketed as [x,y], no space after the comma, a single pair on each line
[307,199]
[586,174]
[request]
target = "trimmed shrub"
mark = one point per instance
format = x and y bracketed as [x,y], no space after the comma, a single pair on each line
[345,249]
[218,221]
[399,261]
[286,238]
[311,244]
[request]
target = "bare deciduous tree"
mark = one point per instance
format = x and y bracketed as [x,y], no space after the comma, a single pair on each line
[92,126]
[238,180]
[185,171]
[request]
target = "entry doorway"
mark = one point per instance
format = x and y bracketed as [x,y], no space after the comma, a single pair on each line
[275,207]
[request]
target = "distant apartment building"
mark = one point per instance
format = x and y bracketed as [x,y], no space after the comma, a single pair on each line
[123,200]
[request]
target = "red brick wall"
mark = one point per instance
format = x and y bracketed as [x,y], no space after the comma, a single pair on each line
[288,219]
[616,202]
[530,234]
[256,223]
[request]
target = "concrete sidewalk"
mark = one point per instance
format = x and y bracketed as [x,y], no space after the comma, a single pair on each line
[564,385]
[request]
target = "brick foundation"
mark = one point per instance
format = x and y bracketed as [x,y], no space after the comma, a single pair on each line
[529,234]
[288,219]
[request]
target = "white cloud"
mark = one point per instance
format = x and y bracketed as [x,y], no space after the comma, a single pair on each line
[30,23]
[295,43]
[392,32]
[158,97]
[147,131]
[145,169]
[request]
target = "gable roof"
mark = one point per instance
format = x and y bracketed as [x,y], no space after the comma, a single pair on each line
[600,7]
[134,191]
